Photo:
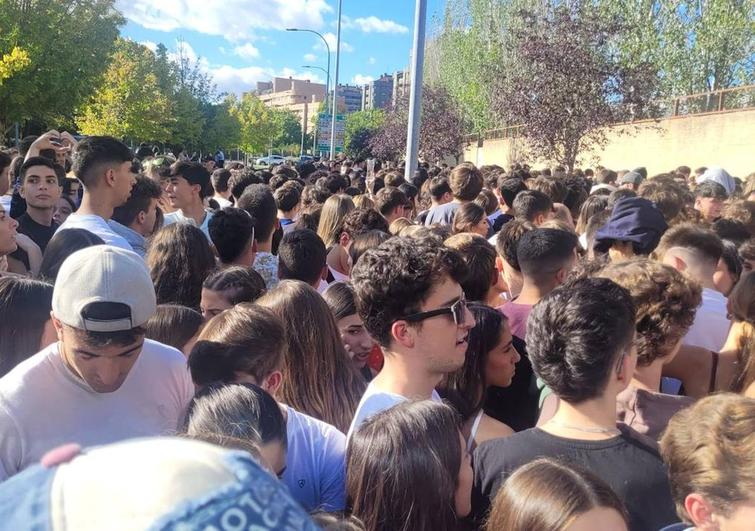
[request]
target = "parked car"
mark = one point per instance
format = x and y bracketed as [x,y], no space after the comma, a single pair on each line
[271,160]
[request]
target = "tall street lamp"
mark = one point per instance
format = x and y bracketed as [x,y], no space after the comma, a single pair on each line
[327,73]
[327,47]
[335,86]
[327,84]
[415,99]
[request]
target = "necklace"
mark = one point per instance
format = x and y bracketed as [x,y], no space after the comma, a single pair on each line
[584,429]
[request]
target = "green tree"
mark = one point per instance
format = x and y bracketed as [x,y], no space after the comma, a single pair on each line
[695,45]
[223,127]
[12,63]
[563,82]
[463,55]
[128,102]
[69,45]
[360,127]
[257,124]
[287,129]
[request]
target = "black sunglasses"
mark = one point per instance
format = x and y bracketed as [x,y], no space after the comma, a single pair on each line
[457,310]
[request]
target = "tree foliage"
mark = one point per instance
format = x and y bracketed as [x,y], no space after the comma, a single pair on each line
[69,45]
[257,124]
[359,129]
[441,131]
[656,49]
[463,54]
[222,128]
[563,82]
[129,102]
[695,45]
[287,129]
[12,63]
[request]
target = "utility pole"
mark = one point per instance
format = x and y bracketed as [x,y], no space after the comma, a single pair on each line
[415,99]
[335,86]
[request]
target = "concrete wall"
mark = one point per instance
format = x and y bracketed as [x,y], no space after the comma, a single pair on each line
[726,140]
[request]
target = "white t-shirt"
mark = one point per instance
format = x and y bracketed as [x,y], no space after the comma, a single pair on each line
[315,464]
[710,327]
[44,405]
[222,201]
[178,217]
[5,200]
[96,225]
[374,401]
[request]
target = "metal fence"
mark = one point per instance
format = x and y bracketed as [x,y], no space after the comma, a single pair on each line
[716,102]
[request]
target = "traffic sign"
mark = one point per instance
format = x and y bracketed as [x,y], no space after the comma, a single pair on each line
[324,122]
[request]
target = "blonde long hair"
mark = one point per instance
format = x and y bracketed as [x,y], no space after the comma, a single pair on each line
[331,218]
[318,378]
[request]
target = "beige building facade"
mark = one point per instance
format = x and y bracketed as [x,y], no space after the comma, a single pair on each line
[300,96]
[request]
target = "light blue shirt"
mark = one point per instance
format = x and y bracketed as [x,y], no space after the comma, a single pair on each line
[316,463]
[136,240]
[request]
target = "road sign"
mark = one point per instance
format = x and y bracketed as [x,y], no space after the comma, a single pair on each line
[323,131]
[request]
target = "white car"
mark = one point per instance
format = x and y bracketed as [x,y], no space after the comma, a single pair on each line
[272,160]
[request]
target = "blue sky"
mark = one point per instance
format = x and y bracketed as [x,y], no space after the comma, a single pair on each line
[240,42]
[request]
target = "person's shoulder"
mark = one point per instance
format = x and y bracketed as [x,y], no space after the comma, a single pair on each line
[520,439]
[713,301]
[375,400]
[24,376]
[303,423]
[163,355]
[172,217]
[642,444]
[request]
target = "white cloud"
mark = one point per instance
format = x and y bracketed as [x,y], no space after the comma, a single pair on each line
[233,19]
[360,79]
[247,51]
[371,60]
[375,25]
[310,57]
[185,50]
[330,38]
[149,44]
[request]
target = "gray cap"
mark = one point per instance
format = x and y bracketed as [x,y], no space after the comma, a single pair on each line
[631,177]
[103,274]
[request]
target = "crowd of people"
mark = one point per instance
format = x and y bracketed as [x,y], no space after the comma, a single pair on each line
[204,345]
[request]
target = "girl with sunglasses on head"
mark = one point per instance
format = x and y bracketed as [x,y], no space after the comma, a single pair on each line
[490,360]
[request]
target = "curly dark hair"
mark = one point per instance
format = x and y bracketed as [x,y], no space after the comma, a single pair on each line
[361,220]
[394,279]
[666,302]
[576,334]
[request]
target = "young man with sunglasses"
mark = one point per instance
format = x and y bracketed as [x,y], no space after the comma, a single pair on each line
[580,339]
[410,299]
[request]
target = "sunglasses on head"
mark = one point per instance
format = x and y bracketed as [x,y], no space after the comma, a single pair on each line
[457,310]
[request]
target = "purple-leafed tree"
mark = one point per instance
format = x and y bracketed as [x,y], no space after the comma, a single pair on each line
[441,132]
[563,80]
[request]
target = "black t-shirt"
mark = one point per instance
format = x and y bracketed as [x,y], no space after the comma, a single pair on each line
[629,463]
[40,234]
[497,222]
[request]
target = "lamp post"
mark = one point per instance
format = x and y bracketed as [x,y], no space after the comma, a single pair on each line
[335,86]
[327,47]
[415,100]
[327,84]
